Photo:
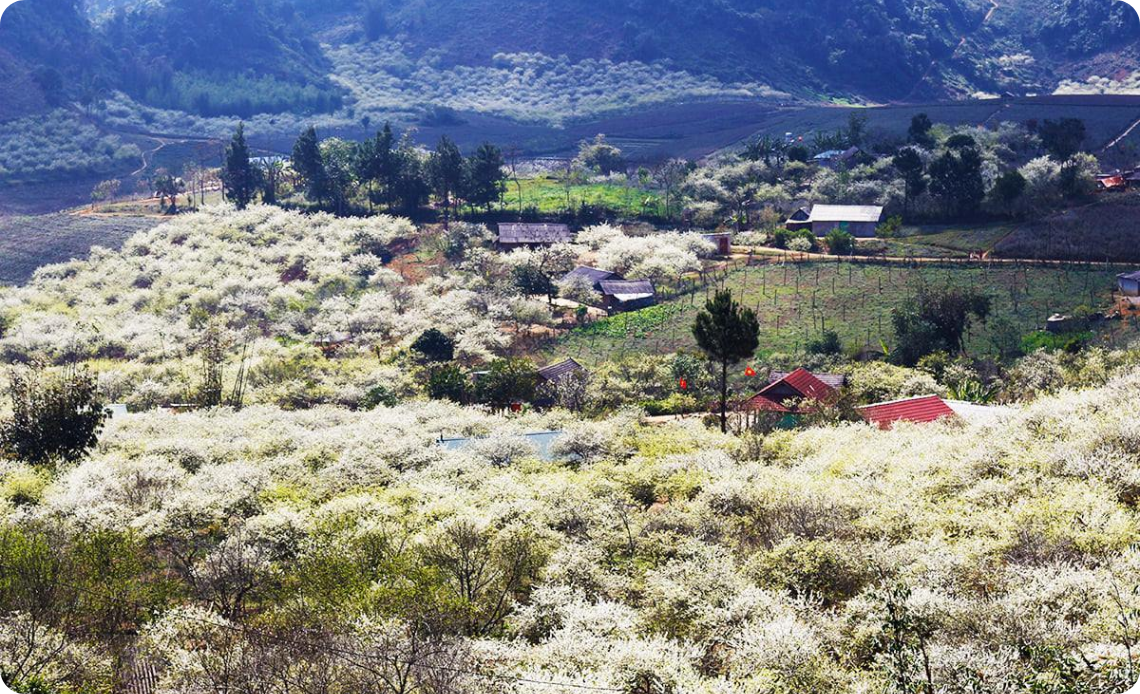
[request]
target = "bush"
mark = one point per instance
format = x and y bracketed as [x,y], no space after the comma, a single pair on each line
[56,418]
[447,383]
[839,242]
[826,344]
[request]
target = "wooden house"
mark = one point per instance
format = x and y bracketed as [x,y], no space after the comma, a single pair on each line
[798,392]
[800,219]
[592,275]
[861,221]
[561,370]
[627,295]
[512,236]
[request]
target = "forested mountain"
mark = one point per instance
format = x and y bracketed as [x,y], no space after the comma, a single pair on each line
[239,58]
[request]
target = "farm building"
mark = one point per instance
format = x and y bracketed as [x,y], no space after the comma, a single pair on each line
[513,236]
[858,220]
[920,410]
[800,219]
[592,274]
[798,392]
[627,295]
[1129,283]
[561,370]
[723,242]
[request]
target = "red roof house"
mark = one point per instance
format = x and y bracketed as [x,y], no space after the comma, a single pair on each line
[921,410]
[793,394]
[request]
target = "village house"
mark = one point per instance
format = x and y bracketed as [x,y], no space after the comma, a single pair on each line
[561,370]
[519,235]
[1129,283]
[798,392]
[592,274]
[920,410]
[627,295]
[860,221]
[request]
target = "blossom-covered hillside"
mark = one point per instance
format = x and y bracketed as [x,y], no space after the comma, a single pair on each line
[334,551]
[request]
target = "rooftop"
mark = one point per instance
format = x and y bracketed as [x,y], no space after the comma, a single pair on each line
[625,290]
[920,410]
[846,213]
[1133,276]
[592,274]
[560,370]
[535,233]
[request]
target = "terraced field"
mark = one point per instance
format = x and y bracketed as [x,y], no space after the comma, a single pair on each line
[29,243]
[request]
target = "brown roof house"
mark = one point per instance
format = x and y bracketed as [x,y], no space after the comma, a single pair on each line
[561,370]
[513,236]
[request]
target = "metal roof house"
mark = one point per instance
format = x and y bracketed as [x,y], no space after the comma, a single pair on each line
[561,370]
[1129,283]
[860,221]
[513,235]
[627,295]
[800,219]
[798,392]
[921,410]
[592,274]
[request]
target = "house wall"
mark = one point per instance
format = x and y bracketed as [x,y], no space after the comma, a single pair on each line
[614,306]
[1130,287]
[862,230]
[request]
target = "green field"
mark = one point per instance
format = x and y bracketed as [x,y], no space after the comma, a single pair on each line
[797,302]
[550,196]
[947,241]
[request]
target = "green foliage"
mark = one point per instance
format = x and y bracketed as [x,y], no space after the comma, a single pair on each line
[508,381]
[827,344]
[238,174]
[532,280]
[600,156]
[448,382]
[727,333]
[956,178]
[56,417]
[434,346]
[919,131]
[486,177]
[937,320]
[1063,137]
[309,165]
[782,238]
[812,569]
[1056,342]
[840,242]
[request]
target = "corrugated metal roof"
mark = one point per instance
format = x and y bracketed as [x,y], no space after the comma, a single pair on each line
[627,289]
[846,213]
[921,410]
[560,370]
[834,380]
[805,383]
[593,274]
[535,233]
[1133,276]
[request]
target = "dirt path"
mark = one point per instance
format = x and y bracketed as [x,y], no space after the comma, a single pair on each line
[1122,136]
[776,256]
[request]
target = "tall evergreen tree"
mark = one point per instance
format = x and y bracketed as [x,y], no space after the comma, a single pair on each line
[445,174]
[310,165]
[239,176]
[909,163]
[486,177]
[727,333]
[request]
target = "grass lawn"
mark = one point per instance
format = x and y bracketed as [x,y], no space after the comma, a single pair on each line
[797,302]
[549,196]
[948,240]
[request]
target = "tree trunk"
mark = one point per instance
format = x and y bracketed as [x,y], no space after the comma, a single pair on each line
[724,397]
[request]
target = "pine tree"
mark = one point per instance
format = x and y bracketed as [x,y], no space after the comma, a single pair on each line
[445,172]
[310,165]
[486,178]
[239,176]
[727,333]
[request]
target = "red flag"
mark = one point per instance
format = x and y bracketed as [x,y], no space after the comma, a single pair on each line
[684,384]
[750,372]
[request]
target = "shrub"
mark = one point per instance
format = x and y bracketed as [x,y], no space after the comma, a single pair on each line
[56,418]
[839,242]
